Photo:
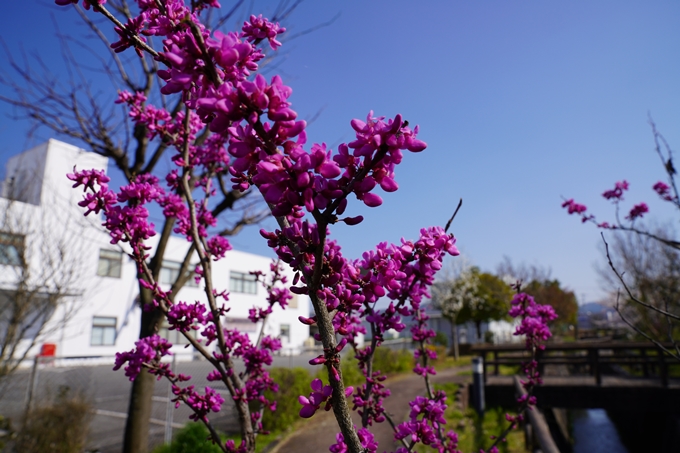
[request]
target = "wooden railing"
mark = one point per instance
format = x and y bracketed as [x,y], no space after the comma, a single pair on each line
[540,432]
[593,356]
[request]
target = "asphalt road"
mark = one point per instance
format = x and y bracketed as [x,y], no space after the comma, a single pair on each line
[109,391]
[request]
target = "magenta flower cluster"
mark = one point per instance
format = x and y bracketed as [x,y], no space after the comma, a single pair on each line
[321,395]
[425,420]
[534,319]
[253,136]
[617,192]
[149,350]
[366,439]
[663,190]
[616,196]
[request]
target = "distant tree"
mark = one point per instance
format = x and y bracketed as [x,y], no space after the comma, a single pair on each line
[444,298]
[512,272]
[450,304]
[643,257]
[538,282]
[651,271]
[40,266]
[483,297]
[562,300]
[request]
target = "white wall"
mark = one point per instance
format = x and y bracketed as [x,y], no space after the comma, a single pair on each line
[50,210]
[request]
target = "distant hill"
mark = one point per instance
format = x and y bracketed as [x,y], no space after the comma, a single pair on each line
[593,314]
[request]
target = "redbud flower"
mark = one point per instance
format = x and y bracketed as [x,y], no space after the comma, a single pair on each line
[573,207]
[321,393]
[617,193]
[663,190]
[638,211]
[259,28]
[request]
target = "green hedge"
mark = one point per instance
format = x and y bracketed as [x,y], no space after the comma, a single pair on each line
[293,382]
[193,438]
[386,360]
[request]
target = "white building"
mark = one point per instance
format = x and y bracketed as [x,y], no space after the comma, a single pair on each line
[53,252]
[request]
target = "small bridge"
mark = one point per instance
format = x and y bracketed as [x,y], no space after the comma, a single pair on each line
[608,375]
[638,380]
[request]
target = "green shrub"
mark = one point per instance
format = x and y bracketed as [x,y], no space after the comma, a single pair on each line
[293,382]
[441,339]
[60,426]
[351,374]
[193,438]
[386,360]
[473,431]
[391,361]
[442,354]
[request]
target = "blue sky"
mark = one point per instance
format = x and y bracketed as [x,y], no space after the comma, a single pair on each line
[521,103]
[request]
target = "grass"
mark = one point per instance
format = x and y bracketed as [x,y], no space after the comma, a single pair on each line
[474,432]
[444,361]
[503,370]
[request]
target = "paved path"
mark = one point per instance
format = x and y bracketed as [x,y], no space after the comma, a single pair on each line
[319,432]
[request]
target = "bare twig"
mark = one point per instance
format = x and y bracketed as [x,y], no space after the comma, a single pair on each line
[641,332]
[628,291]
[448,224]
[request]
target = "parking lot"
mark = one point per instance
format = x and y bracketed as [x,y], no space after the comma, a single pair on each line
[109,391]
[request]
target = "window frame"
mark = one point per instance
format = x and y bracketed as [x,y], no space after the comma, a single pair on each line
[112,263]
[99,324]
[174,268]
[242,283]
[284,327]
[12,241]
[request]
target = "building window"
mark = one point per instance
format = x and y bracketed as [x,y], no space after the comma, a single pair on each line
[110,263]
[241,324]
[11,249]
[284,335]
[242,283]
[103,331]
[173,336]
[170,272]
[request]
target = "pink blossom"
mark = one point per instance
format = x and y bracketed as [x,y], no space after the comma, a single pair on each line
[218,246]
[573,207]
[637,211]
[259,28]
[148,350]
[184,317]
[365,438]
[320,394]
[663,190]
[617,193]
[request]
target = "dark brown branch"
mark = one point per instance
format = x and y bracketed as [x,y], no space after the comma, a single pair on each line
[314,28]
[116,59]
[448,224]
[644,334]
[627,289]
[228,15]
[136,39]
